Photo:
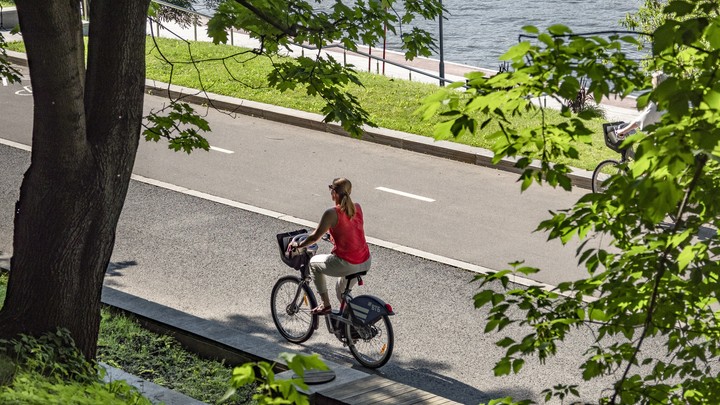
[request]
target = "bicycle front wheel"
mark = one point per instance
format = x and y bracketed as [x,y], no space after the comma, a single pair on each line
[602,172]
[290,303]
[371,345]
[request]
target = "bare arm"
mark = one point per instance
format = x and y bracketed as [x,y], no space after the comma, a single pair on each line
[628,128]
[328,220]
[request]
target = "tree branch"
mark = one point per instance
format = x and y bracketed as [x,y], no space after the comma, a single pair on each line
[289,31]
[700,160]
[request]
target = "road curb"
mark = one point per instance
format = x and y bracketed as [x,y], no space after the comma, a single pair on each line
[210,339]
[383,136]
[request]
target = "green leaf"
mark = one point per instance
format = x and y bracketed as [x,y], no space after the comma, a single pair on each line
[505,342]
[685,257]
[502,367]
[598,315]
[559,29]
[517,52]
[299,362]
[680,8]
[243,375]
[517,365]
[483,298]
[591,369]
[712,34]
[712,97]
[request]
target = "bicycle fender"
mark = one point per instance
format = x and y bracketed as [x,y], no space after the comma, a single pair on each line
[367,309]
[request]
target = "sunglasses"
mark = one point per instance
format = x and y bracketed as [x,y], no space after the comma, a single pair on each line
[331,187]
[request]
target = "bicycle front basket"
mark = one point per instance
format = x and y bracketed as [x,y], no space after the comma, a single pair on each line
[611,139]
[284,240]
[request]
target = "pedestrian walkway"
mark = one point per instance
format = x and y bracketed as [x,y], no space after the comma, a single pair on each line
[212,339]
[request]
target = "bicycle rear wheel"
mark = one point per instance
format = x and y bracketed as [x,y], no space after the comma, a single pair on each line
[371,345]
[602,172]
[292,317]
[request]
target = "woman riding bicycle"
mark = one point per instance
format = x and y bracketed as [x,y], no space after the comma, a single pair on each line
[650,115]
[350,254]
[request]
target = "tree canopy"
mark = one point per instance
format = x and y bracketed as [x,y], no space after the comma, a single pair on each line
[658,279]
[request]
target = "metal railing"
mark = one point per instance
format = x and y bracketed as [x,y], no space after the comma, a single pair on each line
[440,78]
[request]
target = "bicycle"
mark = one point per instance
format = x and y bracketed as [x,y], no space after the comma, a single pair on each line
[607,168]
[362,323]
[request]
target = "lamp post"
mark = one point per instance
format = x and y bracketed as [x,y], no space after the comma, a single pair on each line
[442,56]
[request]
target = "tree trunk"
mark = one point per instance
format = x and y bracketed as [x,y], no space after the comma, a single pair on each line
[86,128]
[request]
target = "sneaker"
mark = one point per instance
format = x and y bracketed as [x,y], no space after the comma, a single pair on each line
[321,310]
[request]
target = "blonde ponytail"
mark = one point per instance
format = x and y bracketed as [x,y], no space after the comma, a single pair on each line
[347,206]
[343,187]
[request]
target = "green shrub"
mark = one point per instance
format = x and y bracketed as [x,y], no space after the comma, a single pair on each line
[51,370]
[161,359]
[124,344]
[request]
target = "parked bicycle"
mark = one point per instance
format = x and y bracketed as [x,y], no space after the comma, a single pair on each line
[362,323]
[605,169]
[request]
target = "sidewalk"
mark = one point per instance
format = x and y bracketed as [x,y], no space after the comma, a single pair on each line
[211,339]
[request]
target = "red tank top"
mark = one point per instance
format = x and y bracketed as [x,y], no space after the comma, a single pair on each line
[349,237]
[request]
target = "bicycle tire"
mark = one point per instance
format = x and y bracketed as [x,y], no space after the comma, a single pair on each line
[602,172]
[371,345]
[295,323]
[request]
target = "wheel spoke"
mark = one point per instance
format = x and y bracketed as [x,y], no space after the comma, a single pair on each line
[293,319]
[371,345]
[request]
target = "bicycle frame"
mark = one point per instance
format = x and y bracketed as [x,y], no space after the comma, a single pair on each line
[362,311]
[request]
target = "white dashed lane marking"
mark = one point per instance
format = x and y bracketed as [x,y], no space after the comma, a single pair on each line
[404,194]
[221,150]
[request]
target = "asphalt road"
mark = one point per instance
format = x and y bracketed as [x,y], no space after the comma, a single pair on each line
[478,215]
[219,262]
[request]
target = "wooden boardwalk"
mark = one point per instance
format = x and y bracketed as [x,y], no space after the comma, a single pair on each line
[377,390]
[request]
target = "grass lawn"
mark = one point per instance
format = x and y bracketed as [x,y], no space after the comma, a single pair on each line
[124,344]
[390,102]
[3,286]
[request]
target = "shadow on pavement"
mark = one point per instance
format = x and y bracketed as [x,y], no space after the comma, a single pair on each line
[114,268]
[422,374]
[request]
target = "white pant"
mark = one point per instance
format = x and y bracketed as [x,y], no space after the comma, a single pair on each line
[331,265]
